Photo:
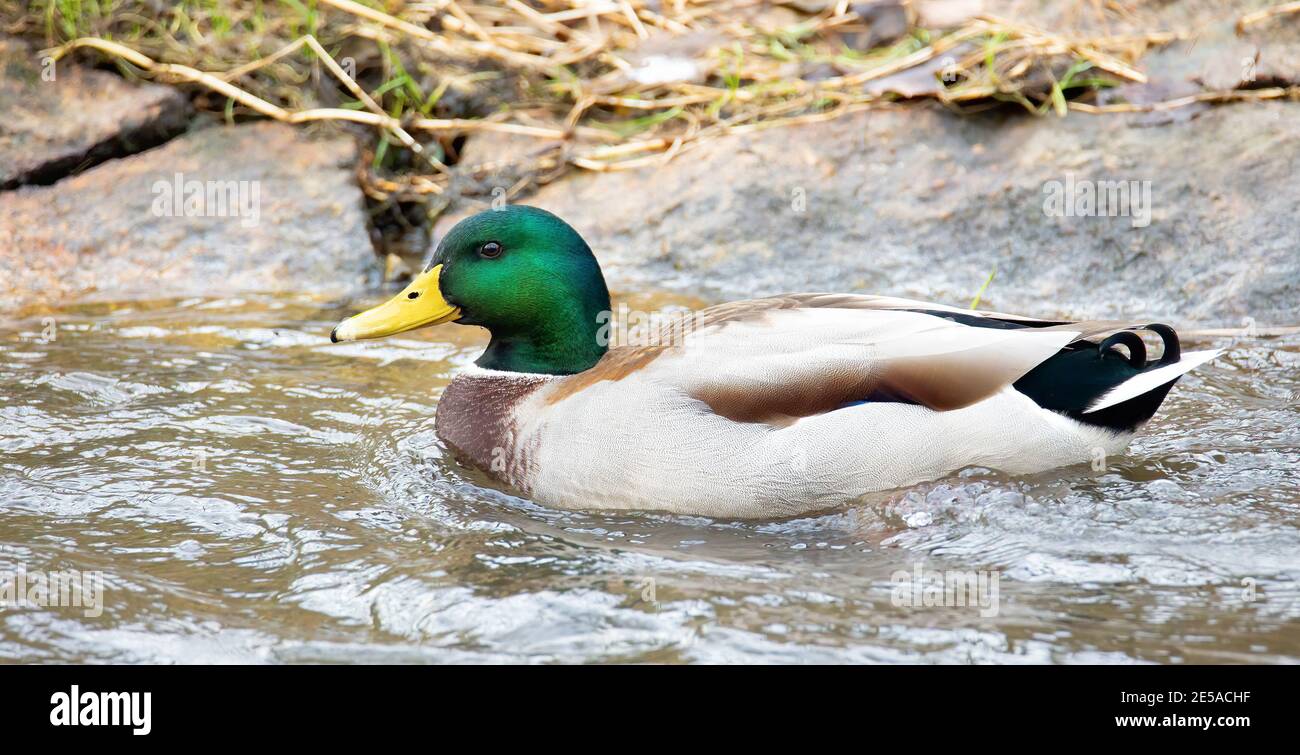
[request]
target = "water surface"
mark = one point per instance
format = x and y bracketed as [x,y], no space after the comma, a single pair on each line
[253,493]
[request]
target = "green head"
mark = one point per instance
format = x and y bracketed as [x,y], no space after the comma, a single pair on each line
[520,272]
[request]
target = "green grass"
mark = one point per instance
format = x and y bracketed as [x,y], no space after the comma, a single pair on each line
[1071,80]
[634,126]
[307,20]
[974,303]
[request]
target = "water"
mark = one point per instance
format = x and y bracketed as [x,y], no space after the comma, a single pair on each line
[253,493]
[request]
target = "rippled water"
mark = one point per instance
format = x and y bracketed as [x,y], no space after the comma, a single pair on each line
[252,493]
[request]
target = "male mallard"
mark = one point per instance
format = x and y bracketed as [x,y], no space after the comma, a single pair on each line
[762,408]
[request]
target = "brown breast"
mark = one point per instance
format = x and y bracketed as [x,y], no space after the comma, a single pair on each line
[476,418]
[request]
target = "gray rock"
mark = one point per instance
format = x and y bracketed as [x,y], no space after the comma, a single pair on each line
[922,203]
[495,151]
[294,221]
[945,14]
[880,22]
[60,118]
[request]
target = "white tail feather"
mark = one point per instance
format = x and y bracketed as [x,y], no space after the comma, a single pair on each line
[1149,381]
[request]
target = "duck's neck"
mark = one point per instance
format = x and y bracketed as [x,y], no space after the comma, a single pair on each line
[566,341]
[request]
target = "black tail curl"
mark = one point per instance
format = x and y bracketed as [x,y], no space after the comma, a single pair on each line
[1081,373]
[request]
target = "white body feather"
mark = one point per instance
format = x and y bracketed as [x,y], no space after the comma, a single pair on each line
[662,451]
[643,442]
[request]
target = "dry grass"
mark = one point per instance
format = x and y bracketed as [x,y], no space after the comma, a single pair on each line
[1260,16]
[601,84]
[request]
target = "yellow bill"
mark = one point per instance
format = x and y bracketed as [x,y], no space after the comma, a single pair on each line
[418,305]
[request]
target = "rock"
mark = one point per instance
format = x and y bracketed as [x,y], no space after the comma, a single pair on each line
[60,117]
[920,81]
[1216,58]
[121,230]
[493,148]
[1252,63]
[944,14]
[852,205]
[880,22]
[927,78]
[1154,92]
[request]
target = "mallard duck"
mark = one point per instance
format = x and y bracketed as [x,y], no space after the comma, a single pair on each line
[754,409]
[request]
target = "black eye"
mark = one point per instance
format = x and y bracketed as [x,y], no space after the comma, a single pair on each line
[490,251]
[413,295]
